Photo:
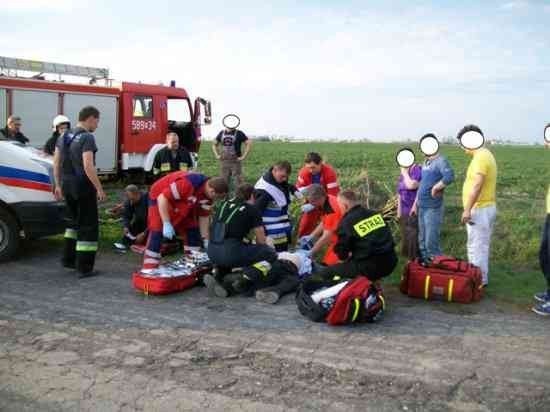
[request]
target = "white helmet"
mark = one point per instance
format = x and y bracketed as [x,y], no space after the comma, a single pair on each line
[60,119]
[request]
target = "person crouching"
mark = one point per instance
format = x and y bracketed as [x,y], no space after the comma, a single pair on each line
[227,249]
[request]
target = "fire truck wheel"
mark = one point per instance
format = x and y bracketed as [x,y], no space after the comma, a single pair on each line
[9,235]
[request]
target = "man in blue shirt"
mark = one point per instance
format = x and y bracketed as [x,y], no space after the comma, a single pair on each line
[437,174]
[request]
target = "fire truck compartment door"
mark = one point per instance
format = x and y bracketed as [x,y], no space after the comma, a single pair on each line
[106,135]
[3,106]
[37,110]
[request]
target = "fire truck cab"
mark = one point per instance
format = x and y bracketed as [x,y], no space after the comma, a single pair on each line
[134,120]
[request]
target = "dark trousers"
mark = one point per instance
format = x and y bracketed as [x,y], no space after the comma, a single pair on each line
[82,230]
[544,252]
[281,278]
[374,268]
[409,236]
[235,253]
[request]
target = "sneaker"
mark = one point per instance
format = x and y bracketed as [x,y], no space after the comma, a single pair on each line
[213,287]
[267,296]
[542,297]
[120,247]
[543,310]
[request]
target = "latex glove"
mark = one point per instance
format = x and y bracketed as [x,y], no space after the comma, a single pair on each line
[308,207]
[168,230]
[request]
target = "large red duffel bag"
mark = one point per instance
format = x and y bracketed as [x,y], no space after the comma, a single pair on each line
[446,278]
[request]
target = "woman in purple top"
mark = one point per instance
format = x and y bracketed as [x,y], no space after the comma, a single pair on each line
[407,186]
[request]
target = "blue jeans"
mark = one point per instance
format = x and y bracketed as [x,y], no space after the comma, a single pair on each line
[429,229]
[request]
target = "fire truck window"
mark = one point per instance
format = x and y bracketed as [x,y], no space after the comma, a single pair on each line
[143,106]
[178,110]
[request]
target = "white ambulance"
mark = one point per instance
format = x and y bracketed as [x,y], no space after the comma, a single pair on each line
[28,209]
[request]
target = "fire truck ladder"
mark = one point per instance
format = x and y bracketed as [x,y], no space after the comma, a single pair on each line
[92,73]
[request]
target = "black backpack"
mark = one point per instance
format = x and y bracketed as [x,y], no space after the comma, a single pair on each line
[218,230]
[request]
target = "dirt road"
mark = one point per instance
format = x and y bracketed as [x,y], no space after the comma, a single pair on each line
[95,344]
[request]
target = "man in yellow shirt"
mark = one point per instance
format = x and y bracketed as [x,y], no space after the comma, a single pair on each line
[544,254]
[478,198]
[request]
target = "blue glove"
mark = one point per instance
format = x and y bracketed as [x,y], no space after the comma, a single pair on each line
[168,230]
[308,207]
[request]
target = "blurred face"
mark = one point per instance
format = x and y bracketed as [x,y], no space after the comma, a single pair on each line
[133,197]
[211,193]
[14,125]
[91,123]
[319,202]
[314,168]
[280,175]
[172,141]
[62,128]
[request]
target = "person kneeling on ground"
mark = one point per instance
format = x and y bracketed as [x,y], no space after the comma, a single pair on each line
[227,249]
[172,208]
[365,243]
[134,218]
[324,236]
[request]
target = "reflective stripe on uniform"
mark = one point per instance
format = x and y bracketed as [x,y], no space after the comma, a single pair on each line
[264,266]
[165,167]
[427,287]
[274,219]
[156,171]
[332,185]
[277,226]
[174,190]
[85,246]
[70,234]
[357,305]
[183,167]
[151,253]
[151,260]
[370,224]
[450,290]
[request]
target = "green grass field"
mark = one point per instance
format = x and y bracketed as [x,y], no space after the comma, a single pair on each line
[522,184]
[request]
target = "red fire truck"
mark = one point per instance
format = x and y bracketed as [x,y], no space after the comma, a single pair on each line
[134,116]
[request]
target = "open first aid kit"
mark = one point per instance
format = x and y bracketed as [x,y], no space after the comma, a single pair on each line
[174,276]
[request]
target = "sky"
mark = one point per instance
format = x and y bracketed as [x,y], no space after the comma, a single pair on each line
[382,70]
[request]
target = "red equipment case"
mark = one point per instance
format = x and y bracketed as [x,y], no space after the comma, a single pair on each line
[446,278]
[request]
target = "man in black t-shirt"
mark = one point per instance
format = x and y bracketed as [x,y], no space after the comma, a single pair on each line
[231,155]
[171,158]
[76,180]
[227,248]
[12,131]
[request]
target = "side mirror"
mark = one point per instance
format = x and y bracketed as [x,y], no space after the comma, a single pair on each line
[199,101]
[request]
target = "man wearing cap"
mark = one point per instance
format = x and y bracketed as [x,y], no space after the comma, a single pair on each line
[231,156]
[12,131]
[437,174]
[478,198]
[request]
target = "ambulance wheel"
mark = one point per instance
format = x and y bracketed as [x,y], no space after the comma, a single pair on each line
[9,235]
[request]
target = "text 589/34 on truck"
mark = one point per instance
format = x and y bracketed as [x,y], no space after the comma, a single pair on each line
[135,118]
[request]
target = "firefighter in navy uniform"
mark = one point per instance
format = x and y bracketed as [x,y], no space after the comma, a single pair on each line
[76,180]
[365,243]
[171,158]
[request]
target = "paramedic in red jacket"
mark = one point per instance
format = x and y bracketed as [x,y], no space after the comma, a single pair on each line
[315,171]
[178,202]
